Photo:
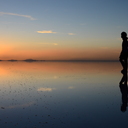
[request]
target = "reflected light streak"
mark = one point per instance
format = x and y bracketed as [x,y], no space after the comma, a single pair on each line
[45,89]
[21,105]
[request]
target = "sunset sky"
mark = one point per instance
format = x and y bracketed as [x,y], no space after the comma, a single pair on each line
[62,29]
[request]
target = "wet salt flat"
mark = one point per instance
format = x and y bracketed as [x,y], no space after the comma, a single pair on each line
[61,95]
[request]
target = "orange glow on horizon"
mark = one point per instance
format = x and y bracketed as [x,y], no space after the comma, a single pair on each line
[60,54]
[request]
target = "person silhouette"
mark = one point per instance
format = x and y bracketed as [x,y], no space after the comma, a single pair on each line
[124,53]
[123,60]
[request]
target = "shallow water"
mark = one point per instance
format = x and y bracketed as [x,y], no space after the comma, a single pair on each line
[61,95]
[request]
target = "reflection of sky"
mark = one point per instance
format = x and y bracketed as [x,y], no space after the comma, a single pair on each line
[60,95]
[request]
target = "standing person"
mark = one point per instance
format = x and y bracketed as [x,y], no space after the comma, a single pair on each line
[124,53]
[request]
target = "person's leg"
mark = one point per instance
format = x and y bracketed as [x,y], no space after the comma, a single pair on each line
[123,63]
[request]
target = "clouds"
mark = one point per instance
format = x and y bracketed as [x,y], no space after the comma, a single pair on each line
[49,43]
[71,34]
[32,18]
[15,14]
[45,31]
[51,32]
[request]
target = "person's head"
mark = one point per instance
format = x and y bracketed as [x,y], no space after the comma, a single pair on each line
[124,35]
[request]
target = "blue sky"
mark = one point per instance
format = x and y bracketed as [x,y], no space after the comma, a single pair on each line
[73,23]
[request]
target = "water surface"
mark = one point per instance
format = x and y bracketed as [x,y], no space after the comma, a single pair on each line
[61,95]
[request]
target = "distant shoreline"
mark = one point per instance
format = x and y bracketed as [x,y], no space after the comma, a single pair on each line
[32,60]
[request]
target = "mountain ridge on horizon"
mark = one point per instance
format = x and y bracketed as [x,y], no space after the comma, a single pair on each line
[73,60]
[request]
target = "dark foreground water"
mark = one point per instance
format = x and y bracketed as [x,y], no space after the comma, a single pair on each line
[61,95]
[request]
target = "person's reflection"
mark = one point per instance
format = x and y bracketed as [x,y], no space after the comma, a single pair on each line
[124,91]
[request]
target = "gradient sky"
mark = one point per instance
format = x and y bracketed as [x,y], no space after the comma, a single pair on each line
[62,29]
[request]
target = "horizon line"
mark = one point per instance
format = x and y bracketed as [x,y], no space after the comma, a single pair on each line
[33,60]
